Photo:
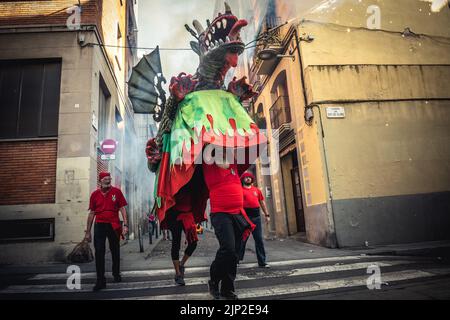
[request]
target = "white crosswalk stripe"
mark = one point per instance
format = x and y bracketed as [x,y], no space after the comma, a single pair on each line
[294,288]
[169,270]
[260,275]
[284,278]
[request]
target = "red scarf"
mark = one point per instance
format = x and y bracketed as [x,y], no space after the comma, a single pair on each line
[249,230]
[189,226]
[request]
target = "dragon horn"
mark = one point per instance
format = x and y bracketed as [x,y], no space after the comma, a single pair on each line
[192,32]
[227,8]
[198,26]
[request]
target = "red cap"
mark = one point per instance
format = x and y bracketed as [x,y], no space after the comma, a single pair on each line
[247,174]
[102,175]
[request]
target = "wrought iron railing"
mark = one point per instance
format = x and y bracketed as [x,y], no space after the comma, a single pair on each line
[267,36]
[280,112]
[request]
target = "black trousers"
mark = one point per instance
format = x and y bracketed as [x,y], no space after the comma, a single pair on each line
[101,232]
[255,216]
[229,234]
[176,228]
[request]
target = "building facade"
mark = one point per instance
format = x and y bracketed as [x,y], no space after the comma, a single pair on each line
[63,73]
[356,104]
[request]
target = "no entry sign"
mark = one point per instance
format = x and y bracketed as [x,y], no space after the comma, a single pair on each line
[108,146]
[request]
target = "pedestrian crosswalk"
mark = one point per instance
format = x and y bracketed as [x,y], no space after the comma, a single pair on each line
[284,278]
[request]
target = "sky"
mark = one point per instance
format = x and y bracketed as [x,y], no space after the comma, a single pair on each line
[161,22]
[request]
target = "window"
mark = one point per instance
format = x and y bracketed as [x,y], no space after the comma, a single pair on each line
[27,230]
[118,56]
[119,34]
[119,120]
[29,98]
[103,110]
[280,111]
[118,63]
[119,126]
[260,119]
[131,29]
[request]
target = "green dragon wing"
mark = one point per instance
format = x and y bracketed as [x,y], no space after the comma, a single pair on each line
[145,86]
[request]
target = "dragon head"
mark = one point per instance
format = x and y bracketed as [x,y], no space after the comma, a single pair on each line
[218,46]
[222,33]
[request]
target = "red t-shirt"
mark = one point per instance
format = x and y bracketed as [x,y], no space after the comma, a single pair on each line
[252,196]
[106,206]
[225,189]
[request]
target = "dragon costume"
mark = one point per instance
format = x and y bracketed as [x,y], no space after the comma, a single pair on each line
[201,111]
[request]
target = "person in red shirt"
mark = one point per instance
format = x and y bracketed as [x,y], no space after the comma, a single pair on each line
[231,224]
[104,205]
[151,227]
[254,200]
[180,218]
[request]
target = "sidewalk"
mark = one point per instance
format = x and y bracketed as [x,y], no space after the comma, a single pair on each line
[426,249]
[157,255]
[130,259]
[276,250]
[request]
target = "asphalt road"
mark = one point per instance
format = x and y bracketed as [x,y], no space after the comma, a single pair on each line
[310,274]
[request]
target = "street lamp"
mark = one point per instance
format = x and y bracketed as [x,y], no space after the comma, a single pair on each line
[269,54]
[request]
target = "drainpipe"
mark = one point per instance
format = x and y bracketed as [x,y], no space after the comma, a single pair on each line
[307,105]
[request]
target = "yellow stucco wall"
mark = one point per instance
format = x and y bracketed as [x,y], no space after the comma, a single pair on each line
[385,149]
[308,151]
[389,158]
[394,15]
[393,139]
[379,149]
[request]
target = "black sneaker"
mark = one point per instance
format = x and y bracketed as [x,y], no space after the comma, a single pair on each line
[230,295]
[118,278]
[265,265]
[214,289]
[179,280]
[99,285]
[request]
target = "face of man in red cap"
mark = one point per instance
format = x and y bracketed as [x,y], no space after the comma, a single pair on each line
[248,181]
[105,180]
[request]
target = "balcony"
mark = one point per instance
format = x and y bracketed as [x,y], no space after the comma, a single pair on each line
[280,112]
[280,115]
[268,37]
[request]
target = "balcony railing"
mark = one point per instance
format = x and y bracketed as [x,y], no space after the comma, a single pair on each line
[269,35]
[280,112]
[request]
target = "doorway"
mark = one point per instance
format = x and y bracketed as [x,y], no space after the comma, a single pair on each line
[295,219]
[297,189]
